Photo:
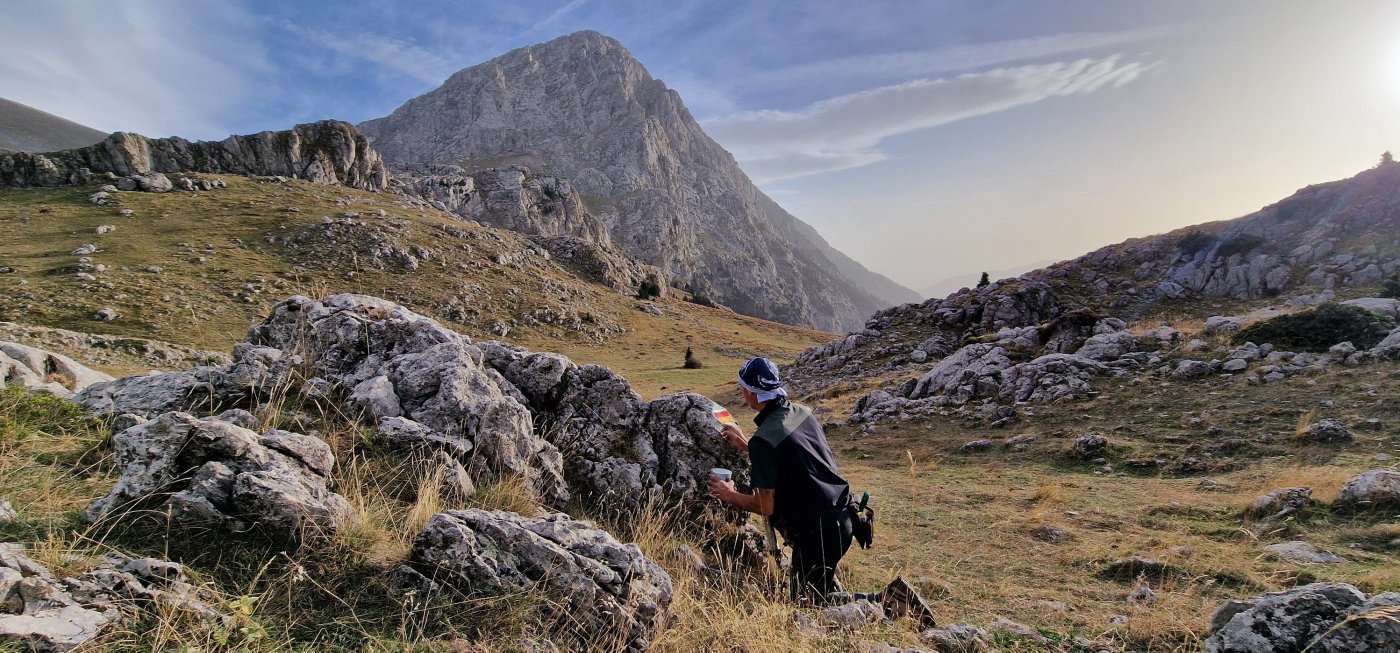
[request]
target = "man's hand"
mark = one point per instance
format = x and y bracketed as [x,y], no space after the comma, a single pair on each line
[736,437]
[722,490]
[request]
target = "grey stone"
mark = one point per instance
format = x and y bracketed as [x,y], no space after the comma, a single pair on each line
[1279,503]
[1235,365]
[608,591]
[211,472]
[1373,490]
[1302,552]
[1220,324]
[854,615]
[1281,622]
[958,638]
[1090,445]
[1327,431]
[7,513]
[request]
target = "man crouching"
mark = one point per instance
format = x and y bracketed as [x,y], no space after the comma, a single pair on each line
[794,479]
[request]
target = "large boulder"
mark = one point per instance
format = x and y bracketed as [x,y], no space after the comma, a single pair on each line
[255,372]
[601,592]
[1376,489]
[212,472]
[1109,346]
[1331,617]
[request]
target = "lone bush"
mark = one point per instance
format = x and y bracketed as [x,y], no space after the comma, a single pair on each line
[1239,244]
[649,289]
[691,362]
[1391,287]
[1195,241]
[1318,329]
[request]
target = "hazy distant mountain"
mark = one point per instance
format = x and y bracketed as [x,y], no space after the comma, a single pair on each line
[953,284]
[581,107]
[26,129]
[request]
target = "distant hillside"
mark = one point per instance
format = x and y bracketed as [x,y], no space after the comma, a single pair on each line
[26,129]
[583,108]
[1331,241]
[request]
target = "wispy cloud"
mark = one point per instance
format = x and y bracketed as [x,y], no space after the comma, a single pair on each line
[843,132]
[127,67]
[958,58]
[395,55]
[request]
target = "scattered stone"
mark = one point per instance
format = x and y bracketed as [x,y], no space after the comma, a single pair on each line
[1051,534]
[901,599]
[7,513]
[1004,625]
[85,250]
[976,446]
[1280,503]
[104,229]
[1192,369]
[153,269]
[1142,595]
[1117,620]
[852,616]
[1327,431]
[1301,552]
[958,638]
[40,370]
[600,587]
[1373,490]
[106,314]
[1220,324]
[1090,445]
[1235,365]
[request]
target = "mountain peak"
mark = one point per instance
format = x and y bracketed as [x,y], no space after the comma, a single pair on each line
[581,107]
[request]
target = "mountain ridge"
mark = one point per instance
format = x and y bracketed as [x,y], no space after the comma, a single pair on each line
[26,129]
[582,107]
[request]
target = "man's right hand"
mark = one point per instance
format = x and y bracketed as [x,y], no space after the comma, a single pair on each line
[735,436]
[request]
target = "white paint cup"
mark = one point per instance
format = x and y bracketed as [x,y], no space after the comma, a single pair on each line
[721,473]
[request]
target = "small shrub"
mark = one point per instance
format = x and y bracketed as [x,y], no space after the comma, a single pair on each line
[698,298]
[691,362]
[1391,287]
[1318,329]
[984,281]
[1195,242]
[1239,244]
[649,289]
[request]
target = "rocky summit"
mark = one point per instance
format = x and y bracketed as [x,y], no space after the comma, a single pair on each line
[582,108]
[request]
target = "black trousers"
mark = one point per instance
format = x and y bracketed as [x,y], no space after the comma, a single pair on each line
[816,549]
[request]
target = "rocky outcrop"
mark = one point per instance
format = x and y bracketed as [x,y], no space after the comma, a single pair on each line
[1321,617]
[583,108]
[40,370]
[499,410]
[108,350]
[511,198]
[47,614]
[326,152]
[1325,242]
[601,593]
[212,472]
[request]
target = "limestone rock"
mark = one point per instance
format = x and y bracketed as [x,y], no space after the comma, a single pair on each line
[1327,431]
[1280,503]
[1220,324]
[42,370]
[1374,490]
[7,513]
[601,590]
[326,152]
[1301,552]
[211,472]
[1299,619]
[854,615]
[958,638]
[1090,445]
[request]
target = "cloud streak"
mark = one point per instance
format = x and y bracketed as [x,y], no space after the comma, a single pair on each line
[394,55]
[844,132]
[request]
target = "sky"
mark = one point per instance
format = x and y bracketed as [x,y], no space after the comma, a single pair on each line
[926,139]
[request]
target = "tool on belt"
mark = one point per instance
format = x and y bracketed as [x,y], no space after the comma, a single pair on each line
[863,521]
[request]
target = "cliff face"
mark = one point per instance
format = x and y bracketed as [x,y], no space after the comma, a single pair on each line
[511,198]
[326,152]
[581,107]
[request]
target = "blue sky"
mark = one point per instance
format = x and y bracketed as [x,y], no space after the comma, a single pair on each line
[926,139]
